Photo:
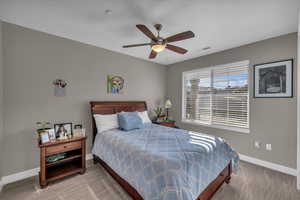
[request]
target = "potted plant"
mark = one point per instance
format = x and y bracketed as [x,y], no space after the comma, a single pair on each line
[159,114]
[42,126]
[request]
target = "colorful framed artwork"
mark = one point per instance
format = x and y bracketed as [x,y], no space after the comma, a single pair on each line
[274,80]
[115,84]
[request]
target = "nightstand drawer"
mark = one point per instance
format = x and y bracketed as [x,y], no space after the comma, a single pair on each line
[63,147]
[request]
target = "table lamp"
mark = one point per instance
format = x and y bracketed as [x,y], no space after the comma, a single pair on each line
[168,105]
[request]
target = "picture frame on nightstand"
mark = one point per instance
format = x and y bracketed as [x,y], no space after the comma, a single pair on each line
[52,135]
[64,130]
[78,131]
[44,137]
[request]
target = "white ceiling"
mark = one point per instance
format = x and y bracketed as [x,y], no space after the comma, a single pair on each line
[221,24]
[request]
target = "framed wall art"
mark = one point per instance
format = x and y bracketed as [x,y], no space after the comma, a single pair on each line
[115,84]
[274,79]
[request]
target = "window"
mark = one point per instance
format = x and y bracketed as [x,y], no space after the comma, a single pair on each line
[217,96]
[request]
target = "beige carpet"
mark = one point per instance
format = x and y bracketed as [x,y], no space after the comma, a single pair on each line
[251,183]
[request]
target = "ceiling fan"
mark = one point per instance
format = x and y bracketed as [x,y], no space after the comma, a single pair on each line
[158,43]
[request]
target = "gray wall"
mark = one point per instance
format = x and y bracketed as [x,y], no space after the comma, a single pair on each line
[32,60]
[1,100]
[272,120]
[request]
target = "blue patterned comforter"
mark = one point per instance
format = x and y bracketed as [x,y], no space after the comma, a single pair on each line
[164,163]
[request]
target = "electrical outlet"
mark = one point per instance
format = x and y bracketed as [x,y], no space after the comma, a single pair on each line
[269,147]
[257,144]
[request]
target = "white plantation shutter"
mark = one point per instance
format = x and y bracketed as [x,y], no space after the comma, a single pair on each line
[217,95]
[198,101]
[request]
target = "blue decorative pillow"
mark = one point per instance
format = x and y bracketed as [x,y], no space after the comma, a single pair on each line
[129,121]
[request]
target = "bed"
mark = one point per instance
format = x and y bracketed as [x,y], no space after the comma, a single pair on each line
[161,163]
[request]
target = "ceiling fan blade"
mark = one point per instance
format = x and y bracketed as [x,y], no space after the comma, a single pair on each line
[136,45]
[180,36]
[152,54]
[176,49]
[147,32]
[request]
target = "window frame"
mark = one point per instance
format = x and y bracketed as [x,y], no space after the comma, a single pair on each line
[224,127]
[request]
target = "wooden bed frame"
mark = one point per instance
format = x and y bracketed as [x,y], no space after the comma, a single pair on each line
[111,107]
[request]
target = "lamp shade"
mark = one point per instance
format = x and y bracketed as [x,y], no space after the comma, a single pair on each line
[168,104]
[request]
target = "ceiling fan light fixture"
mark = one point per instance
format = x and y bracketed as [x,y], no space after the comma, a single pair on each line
[158,47]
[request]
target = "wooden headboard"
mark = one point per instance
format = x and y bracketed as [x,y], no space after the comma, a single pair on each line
[112,107]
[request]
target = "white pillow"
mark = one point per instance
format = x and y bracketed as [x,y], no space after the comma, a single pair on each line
[106,122]
[144,116]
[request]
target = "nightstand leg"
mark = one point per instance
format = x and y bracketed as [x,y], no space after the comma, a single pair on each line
[83,153]
[42,173]
[227,180]
[94,160]
[43,186]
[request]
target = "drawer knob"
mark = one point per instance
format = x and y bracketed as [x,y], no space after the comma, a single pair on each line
[65,146]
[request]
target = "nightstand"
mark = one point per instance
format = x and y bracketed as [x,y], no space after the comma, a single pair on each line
[72,163]
[166,123]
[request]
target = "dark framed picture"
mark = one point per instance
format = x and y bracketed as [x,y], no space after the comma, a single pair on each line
[63,131]
[273,80]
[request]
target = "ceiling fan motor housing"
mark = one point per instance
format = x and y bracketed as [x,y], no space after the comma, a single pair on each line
[159,41]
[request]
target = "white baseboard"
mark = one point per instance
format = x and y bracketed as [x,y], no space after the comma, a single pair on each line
[20,176]
[26,174]
[269,165]
[298,182]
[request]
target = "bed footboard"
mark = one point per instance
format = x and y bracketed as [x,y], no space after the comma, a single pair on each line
[207,194]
